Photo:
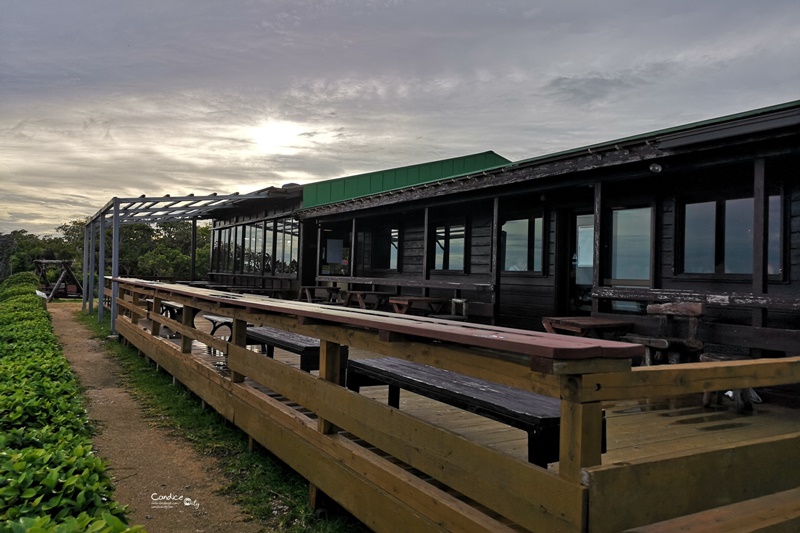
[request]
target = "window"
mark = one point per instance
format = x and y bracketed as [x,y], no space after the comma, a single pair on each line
[449,247]
[253,247]
[386,246]
[336,243]
[631,246]
[718,236]
[287,237]
[522,245]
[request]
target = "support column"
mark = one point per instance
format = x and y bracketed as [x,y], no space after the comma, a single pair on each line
[598,216]
[92,269]
[760,239]
[581,436]
[85,267]
[101,272]
[193,257]
[115,266]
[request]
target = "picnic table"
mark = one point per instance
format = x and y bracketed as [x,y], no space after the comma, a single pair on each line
[402,304]
[361,298]
[309,293]
[587,326]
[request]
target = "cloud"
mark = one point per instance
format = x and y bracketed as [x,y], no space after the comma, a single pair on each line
[184,96]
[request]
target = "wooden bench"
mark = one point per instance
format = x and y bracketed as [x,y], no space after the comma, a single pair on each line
[270,338]
[665,342]
[779,512]
[539,416]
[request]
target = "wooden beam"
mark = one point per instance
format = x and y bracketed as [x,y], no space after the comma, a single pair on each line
[688,378]
[627,495]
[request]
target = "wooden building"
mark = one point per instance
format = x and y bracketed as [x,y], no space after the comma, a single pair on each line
[707,212]
[704,216]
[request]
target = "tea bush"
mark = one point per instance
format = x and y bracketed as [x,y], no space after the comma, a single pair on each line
[50,480]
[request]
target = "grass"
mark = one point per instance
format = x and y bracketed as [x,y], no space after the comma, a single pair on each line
[264,487]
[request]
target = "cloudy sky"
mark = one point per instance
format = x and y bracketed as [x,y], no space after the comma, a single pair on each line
[101,99]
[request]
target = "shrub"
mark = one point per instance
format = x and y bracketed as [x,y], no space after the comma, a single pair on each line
[50,480]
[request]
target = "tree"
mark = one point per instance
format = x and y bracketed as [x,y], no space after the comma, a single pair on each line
[164,262]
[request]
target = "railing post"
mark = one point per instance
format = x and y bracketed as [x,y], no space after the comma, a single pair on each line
[239,338]
[155,327]
[581,438]
[330,359]
[187,319]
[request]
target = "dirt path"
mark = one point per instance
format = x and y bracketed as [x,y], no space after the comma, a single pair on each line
[168,487]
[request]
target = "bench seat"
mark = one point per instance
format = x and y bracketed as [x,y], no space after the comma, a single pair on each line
[536,414]
[270,338]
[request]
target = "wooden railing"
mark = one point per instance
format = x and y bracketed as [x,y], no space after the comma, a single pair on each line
[475,487]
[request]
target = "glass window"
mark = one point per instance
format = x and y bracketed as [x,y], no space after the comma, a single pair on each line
[386,248]
[718,236]
[775,240]
[286,246]
[522,245]
[449,247]
[738,236]
[631,244]
[698,244]
[253,243]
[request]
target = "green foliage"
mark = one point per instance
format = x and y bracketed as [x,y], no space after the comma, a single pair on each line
[166,247]
[164,262]
[50,479]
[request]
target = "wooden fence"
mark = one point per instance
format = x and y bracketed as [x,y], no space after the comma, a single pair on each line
[414,475]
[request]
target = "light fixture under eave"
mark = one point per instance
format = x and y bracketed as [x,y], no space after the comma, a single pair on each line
[655,168]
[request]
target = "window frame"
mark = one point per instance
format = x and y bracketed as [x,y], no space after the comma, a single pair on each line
[720,234]
[397,244]
[448,225]
[531,217]
[608,235]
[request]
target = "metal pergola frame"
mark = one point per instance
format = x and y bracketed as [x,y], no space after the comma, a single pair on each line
[144,210]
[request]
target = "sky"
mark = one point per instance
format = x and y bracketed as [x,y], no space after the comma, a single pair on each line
[101,99]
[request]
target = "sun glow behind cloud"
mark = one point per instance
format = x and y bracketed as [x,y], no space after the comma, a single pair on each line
[282,137]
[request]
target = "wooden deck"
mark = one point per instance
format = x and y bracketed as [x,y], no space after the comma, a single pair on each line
[637,430]
[432,467]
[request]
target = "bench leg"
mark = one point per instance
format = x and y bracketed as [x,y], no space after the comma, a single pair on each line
[543,445]
[394,396]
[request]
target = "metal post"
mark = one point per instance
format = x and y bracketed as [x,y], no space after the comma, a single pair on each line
[193,260]
[85,267]
[91,266]
[101,270]
[115,266]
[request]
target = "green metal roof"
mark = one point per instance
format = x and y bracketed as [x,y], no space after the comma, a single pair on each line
[347,188]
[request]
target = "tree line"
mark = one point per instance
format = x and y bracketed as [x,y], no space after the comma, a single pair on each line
[159,250]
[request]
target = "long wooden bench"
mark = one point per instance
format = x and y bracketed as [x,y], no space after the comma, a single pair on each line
[777,513]
[270,338]
[538,415]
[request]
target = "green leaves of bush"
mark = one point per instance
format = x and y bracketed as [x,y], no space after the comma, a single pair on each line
[50,480]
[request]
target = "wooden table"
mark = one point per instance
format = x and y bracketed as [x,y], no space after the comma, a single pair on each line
[401,304]
[309,293]
[361,298]
[586,326]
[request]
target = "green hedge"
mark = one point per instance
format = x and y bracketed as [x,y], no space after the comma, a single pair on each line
[50,480]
